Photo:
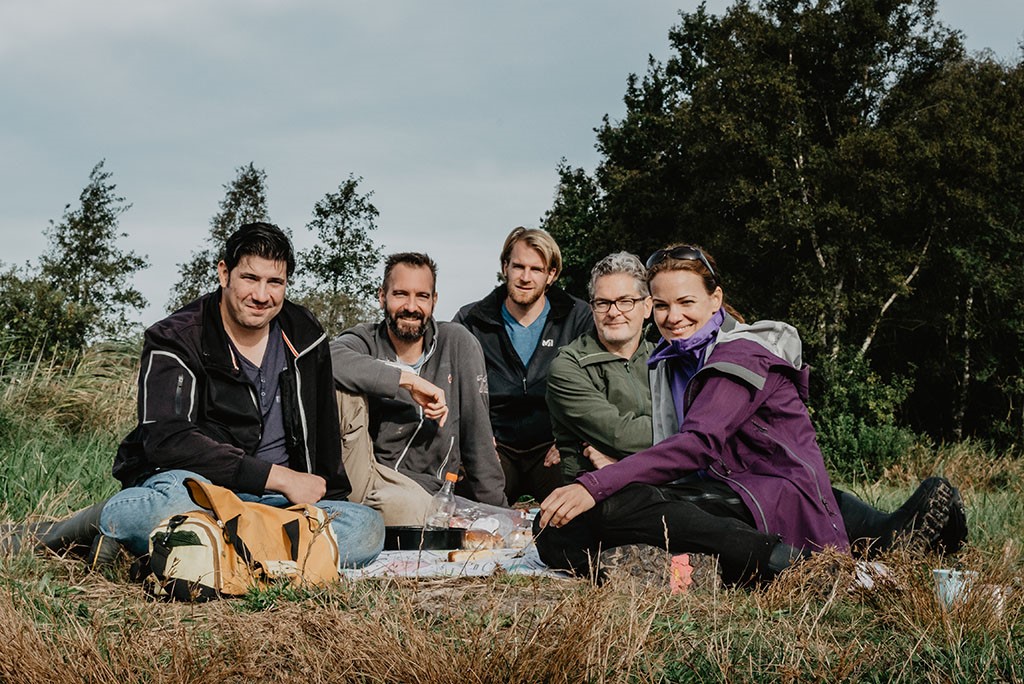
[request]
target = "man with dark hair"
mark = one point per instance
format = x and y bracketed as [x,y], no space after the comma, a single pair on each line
[413,399]
[235,389]
[520,326]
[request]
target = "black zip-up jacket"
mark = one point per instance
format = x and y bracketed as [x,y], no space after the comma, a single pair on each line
[198,412]
[519,411]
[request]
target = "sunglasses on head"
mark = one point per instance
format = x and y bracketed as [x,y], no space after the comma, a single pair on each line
[683,253]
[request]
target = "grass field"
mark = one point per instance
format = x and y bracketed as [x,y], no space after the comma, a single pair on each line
[58,430]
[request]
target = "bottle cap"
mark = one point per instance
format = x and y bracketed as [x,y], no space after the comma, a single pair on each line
[451,477]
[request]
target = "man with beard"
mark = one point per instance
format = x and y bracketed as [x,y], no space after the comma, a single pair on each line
[413,401]
[520,326]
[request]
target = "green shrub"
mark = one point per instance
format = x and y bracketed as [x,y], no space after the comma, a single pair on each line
[854,411]
[853,448]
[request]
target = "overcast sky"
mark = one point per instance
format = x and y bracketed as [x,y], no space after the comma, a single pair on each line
[454,113]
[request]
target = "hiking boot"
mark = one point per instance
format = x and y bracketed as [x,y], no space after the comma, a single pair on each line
[954,533]
[103,552]
[919,523]
[644,565]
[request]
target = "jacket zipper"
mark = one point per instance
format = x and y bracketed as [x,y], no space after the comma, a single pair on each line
[636,392]
[298,392]
[792,454]
[177,394]
[419,409]
[506,342]
[757,504]
[440,471]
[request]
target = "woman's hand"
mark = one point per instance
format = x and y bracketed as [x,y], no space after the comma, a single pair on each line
[564,504]
[597,458]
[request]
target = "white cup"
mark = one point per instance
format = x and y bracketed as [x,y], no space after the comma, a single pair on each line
[952,586]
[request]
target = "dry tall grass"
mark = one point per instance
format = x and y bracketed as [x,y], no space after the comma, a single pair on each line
[813,623]
[92,391]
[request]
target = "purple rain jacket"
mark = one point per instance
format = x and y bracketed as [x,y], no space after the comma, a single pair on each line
[745,424]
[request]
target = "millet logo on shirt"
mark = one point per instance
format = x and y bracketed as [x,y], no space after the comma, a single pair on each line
[547,343]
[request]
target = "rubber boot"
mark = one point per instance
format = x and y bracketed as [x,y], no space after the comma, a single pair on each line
[78,530]
[13,534]
[103,551]
[931,520]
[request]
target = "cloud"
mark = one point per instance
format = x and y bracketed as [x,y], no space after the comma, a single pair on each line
[455,112]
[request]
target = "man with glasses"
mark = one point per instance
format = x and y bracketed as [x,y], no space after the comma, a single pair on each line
[520,326]
[598,391]
[599,396]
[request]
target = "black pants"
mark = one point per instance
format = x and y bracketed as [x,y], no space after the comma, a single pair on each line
[526,474]
[703,516]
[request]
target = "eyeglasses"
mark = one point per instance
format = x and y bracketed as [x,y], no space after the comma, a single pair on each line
[683,253]
[624,305]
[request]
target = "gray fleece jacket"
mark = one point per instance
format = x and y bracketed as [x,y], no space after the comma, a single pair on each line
[365,362]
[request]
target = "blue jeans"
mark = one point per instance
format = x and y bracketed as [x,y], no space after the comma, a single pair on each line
[131,515]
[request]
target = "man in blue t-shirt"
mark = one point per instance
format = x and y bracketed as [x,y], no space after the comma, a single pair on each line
[520,326]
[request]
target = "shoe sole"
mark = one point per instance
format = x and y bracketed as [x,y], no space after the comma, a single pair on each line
[923,531]
[954,533]
[650,566]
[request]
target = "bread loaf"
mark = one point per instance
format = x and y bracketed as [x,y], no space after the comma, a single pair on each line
[475,555]
[482,539]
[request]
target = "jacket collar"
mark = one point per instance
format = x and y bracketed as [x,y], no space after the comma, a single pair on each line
[488,309]
[300,330]
[590,351]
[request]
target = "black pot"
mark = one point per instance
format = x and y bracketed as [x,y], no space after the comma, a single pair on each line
[413,538]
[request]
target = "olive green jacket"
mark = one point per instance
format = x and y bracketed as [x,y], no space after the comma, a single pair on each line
[598,398]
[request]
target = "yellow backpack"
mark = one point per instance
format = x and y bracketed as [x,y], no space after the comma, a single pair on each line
[201,555]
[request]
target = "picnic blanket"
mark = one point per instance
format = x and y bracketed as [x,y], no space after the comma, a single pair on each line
[435,564]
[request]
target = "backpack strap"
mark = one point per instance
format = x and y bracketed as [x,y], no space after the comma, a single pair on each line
[227,508]
[291,528]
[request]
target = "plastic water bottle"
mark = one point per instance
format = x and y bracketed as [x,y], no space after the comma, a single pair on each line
[442,506]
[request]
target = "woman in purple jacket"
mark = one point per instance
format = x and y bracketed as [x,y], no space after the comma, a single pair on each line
[735,470]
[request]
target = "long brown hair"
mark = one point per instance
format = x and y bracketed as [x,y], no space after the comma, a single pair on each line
[702,264]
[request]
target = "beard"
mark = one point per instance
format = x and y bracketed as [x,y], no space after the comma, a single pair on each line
[407,326]
[525,299]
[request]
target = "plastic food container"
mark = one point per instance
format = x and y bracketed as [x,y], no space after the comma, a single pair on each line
[413,538]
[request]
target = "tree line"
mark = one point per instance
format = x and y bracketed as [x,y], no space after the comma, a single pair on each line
[856,173]
[81,289]
[853,169]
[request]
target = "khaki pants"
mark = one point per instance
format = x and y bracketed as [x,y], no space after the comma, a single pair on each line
[398,498]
